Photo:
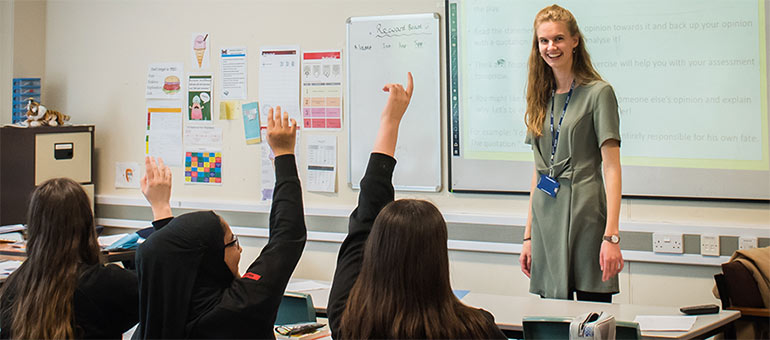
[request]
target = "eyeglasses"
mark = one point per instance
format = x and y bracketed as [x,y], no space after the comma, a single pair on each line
[233,242]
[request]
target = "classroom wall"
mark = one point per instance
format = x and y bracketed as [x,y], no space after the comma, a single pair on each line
[96,57]
[29,38]
[6,59]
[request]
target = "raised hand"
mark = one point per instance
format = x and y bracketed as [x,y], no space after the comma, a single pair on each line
[281,134]
[398,100]
[156,187]
[394,110]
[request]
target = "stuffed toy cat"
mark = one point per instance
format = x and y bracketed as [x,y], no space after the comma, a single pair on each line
[39,115]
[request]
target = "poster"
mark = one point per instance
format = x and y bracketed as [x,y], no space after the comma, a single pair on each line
[203,167]
[233,65]
[322,90]
[199,98]
[251,125]
[279,81]
[163,136]
[127,175]
[163,81]
[200,51]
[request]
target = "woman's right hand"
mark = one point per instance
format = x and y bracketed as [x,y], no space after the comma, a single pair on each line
[156,187]
[525,259]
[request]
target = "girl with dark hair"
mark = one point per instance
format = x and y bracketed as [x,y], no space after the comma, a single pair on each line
[63,290]
[571,237]
[392,276]
[189,285]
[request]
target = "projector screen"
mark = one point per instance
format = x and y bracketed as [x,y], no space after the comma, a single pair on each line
[690,78]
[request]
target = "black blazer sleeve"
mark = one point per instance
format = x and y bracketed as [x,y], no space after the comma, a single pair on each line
[376,192]
[249,306]
[158,224]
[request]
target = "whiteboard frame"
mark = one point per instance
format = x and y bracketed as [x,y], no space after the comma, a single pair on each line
[638,181]
[348,116]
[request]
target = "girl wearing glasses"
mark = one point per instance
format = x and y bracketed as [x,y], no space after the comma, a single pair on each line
[189,284]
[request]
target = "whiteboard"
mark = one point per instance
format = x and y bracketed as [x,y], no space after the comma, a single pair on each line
[694,124]
[381,50]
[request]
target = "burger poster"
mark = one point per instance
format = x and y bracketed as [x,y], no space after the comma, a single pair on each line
[199,98]
[163,81]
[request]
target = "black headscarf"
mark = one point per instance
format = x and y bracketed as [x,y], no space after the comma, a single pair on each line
[182,274]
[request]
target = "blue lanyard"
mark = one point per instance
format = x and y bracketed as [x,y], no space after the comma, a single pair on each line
[555,134]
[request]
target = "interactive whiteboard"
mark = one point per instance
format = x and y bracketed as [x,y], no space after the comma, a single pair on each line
[381,50]
[690,77]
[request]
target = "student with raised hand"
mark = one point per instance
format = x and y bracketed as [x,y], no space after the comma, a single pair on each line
[392,276]
[189,284]
[63,290]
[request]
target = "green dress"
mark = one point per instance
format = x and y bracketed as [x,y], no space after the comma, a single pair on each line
[567,230]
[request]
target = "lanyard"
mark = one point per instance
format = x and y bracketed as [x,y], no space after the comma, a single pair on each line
[555,134]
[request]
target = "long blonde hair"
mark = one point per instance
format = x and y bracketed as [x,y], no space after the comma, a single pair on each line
[540,80]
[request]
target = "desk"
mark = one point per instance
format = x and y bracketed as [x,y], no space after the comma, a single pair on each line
[510,310]
[9,252]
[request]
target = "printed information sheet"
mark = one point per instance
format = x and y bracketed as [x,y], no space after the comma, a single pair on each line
[322,90]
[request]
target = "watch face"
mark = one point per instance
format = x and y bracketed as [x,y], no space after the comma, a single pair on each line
[612,238]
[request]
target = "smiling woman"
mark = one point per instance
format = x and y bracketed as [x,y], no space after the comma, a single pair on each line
[571,236]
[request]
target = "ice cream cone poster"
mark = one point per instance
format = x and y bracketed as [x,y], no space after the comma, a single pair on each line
[199,98]
[200,51]
[163,81]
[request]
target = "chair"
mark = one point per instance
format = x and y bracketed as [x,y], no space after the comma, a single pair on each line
[295,308]
[546,327]
[738,290]
[627,330]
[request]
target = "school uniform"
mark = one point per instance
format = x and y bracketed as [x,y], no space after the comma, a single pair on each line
[376,192]
[186,289]
[105,303]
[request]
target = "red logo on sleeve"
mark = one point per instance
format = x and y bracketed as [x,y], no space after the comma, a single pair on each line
[252,276]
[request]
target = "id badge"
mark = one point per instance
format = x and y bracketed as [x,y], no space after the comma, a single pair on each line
[548,185]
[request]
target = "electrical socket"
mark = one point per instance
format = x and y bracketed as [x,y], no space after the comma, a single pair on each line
[747,242]
[709,245]
[667,243]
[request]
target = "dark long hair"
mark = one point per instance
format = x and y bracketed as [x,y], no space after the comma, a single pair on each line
[403,290]
[540,78]
[61,238]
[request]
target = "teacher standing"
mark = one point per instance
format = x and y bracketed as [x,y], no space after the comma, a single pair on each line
[571,240]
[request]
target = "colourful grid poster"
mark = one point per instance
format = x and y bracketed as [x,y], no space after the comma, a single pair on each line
[203,167]
[322,90]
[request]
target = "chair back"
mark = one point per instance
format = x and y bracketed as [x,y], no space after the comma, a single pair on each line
[627,330]
[546,327]
[295,308]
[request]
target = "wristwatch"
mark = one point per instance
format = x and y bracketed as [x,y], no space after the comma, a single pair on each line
[614,239]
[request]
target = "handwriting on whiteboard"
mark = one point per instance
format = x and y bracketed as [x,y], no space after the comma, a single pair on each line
[383,31]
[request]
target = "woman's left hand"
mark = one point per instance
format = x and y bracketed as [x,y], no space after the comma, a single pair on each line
[610,260]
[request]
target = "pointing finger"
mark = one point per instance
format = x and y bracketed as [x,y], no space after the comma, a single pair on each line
[409,84]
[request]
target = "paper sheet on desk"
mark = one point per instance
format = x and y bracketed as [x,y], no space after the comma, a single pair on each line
[665,322]
[303,286]
[7,267]
[107,240]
